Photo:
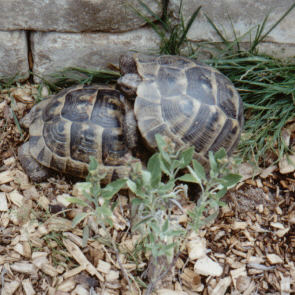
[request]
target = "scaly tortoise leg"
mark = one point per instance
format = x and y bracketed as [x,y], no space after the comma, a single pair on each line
[33,169]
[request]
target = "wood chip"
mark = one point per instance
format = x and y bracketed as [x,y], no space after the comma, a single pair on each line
[16,198]
[23,249]
[277,225]
[238,225]
[274,259]
[24,267]
[28,287]
[285,285]
[3,202]
[81,290]
[6,176]
[10,288]
[112,275]
[74,238]
[58,224]
[280,233]
[49,269]
[67,285]
[103,266]
[73,272]
[221,287]
[268,171]
[170,292]
[63,199]
[207,267]
[78,255]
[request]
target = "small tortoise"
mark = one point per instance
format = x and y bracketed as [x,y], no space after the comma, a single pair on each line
[68,128]
[185,101]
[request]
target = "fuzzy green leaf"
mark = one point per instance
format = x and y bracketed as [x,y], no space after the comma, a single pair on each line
[213,163]
[155,169]
[231,180]
[77,201]
[188,178]
[112,188]
[132,186]
[78,218]
[85,236]
[161,144]
[199,170]
[220,154]
[186,157]
[93,164]
[146,178]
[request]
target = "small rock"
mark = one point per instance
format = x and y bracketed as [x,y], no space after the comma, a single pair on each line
[287,164]
[197,248]
[207,267]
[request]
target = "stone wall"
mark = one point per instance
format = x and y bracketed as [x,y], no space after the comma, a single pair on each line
[93,33]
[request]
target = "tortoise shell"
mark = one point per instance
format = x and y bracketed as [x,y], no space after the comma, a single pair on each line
[79,122]
[188,102]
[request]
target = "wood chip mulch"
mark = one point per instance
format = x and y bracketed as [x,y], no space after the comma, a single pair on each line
[249,249]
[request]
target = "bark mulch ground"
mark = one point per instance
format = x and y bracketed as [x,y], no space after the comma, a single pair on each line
[249,249]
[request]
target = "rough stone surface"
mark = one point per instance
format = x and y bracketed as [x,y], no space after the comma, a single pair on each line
[73,15]
[243,16]
[14,55]
[55,51]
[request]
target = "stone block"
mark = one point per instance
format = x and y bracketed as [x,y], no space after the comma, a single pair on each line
[14,55]
[241,16]
[55,51]
[74,15]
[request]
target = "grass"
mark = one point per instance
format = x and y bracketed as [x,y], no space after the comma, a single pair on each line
[76,75]
[267,88]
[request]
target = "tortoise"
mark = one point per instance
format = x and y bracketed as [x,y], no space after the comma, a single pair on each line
[68,128]
[184,100]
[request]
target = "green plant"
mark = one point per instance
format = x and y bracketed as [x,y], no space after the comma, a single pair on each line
[173,34]
[213,187]
[158,192]
[97,200]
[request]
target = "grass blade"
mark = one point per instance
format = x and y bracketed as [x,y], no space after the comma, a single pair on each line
[188,26]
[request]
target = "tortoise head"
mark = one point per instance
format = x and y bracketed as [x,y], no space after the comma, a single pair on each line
[128,85]
[130,79]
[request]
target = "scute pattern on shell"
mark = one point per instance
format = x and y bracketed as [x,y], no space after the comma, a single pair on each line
[77,123]
[189,102]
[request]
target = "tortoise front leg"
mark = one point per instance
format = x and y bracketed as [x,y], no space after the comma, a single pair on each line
[33,169]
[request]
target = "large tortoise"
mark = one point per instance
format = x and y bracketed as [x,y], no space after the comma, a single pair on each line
[186,101]
[68,128]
